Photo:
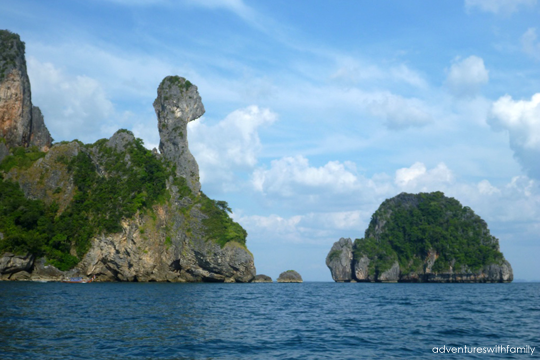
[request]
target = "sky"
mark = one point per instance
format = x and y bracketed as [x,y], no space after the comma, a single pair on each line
[316,111]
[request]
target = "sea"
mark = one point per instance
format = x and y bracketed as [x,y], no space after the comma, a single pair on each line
[311,320]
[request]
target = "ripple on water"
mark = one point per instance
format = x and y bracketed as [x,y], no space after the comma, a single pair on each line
[280,321]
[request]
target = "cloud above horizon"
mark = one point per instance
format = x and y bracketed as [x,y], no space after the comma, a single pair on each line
[521,120]
[467,76]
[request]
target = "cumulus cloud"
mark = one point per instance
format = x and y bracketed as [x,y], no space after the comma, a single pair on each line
[398,112]
[530,43]
[293,175]
[311,228]
[485,187]
[71,104]
[467,76]
[498,6]
[418,178]
[232,144]
[521,119]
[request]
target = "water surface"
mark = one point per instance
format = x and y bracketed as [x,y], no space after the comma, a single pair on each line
[263,321]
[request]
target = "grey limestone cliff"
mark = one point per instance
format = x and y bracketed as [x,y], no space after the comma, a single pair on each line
[177,103]
[339,260]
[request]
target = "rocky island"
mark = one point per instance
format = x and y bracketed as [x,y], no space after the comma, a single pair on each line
[290,276]
[424,237]
[112,209]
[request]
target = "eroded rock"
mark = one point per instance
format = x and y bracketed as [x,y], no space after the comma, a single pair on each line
[178,102]
[339,260]
[289,276]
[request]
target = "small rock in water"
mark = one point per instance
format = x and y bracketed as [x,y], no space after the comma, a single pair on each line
[290,276]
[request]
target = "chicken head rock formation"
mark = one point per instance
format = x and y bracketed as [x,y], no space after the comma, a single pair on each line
[112,209]
[178,102]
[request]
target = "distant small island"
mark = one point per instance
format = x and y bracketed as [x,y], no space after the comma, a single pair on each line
[424,237]
[290,276]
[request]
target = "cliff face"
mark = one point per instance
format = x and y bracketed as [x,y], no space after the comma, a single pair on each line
[113,208]
[21,124]
[421,238]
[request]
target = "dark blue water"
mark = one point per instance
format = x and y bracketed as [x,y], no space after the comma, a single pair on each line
[263,321]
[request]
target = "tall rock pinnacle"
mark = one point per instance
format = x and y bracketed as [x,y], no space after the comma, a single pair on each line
[21,124]
[178,102]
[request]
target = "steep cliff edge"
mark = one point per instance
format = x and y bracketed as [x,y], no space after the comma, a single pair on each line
[117,210]
[21,124]
[424,237]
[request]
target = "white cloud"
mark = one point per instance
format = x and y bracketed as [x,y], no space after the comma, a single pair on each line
[418,178]
[466,77]
[485,187]
[230,145]
[70,104]
[398,112]
[498,6]
[530,43]
[310,228]
[290,176]
[521,119]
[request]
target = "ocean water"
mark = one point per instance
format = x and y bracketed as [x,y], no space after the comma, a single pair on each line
[265,321]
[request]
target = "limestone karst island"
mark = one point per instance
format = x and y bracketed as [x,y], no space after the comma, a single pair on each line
[112,209]
[426,237]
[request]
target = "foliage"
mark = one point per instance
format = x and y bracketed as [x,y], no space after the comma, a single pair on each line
[10,46]
[334,255]
[220,227]
[21,157]
[126,182]
[424,222]
[182,85]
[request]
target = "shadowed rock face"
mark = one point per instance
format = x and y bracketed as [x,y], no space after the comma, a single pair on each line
[11,264]
[21,124]
[339,260]
[178,102]
[262,279]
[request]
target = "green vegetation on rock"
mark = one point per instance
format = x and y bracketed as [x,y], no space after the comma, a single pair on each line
[110,185]
[9,51]
[181,83]
[407,227]
[21,158]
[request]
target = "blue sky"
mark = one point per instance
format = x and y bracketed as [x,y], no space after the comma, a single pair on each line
[316,111]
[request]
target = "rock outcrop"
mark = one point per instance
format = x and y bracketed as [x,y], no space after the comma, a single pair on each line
[178,102]
[421,238]
[21,124]
[289,276]
[11,264]
[339,260]
[261,279]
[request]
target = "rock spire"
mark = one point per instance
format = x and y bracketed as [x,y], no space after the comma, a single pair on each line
[21,124]
[178,102]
